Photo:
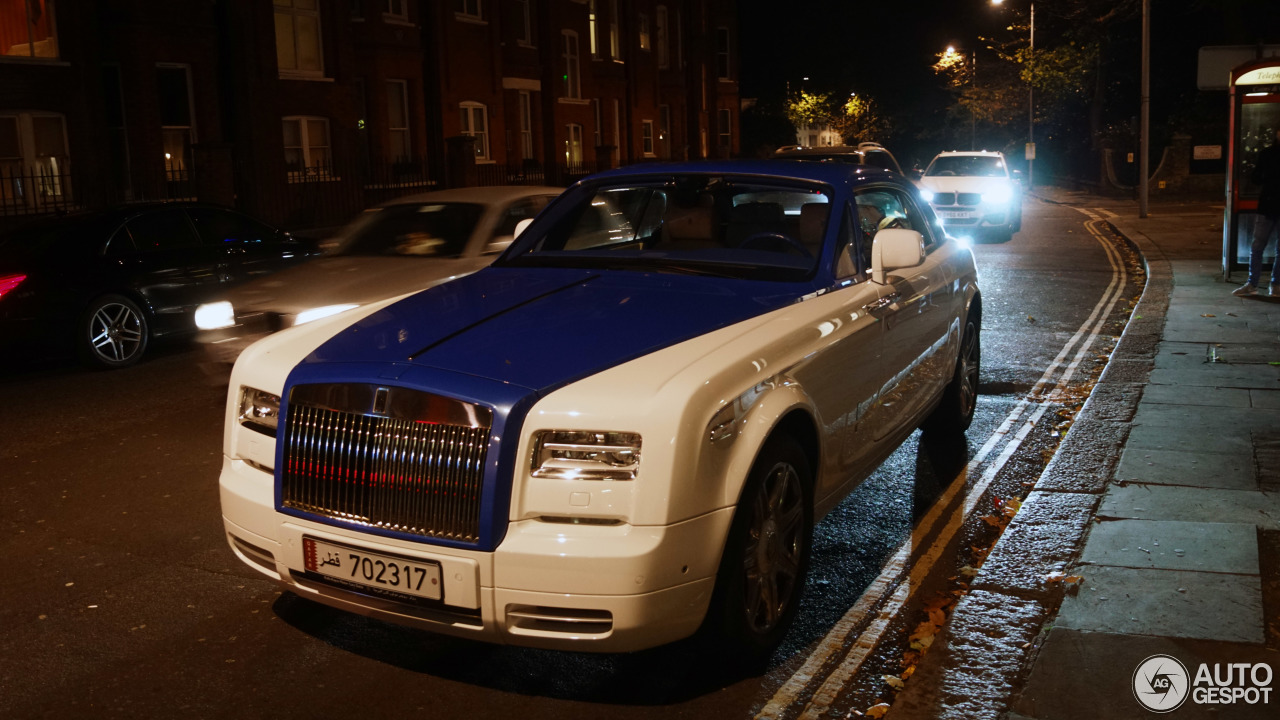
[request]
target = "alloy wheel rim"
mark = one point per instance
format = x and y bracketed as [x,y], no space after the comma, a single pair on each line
[115,332]
[775,544]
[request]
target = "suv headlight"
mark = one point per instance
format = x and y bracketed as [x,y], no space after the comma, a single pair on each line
[1000,195]
[259,410]
[586,455]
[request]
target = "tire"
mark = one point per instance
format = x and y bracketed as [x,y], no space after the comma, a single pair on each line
[959,401]
[113,333]
[766,557]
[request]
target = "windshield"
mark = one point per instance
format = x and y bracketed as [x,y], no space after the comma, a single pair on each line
[737,227]
[966,165]
[412,229]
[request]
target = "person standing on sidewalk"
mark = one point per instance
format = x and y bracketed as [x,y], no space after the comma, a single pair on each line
[1267,174]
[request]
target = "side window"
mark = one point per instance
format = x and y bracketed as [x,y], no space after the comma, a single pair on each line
[162,230]
[506,228]
[883,208]
[219,228]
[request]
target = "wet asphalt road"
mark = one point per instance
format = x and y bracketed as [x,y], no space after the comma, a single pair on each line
[120,598]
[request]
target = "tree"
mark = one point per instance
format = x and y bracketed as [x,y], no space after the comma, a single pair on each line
[856,119]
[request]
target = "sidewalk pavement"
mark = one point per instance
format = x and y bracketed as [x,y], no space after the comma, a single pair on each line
[1164,498]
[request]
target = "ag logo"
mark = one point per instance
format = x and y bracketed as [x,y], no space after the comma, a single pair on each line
[1160,683]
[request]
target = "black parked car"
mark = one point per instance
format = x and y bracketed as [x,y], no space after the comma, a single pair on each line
[107,282]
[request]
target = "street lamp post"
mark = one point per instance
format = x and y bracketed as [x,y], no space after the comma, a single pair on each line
[1031,101]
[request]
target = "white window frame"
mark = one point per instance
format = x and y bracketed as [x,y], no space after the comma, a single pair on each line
[396,11]
[593,19]
[399,126]
[524,33]
[45,49]
[526,124]
[646,138]
[615,31]
[288,9]
[660,37]
[467,112]
[572,65]
[573,144]
[310,171]
[28,176]
[469,9]
[176,168]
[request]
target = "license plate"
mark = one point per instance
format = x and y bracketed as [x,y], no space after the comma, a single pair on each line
[954,214]
[361,569]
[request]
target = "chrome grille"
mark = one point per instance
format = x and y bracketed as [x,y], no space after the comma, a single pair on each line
[389,458]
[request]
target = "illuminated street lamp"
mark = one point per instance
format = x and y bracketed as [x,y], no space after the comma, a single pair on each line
[1031,105]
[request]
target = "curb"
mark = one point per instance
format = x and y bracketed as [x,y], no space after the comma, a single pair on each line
[991,641]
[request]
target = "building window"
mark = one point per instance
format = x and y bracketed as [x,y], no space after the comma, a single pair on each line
[27,30]
[396,10]
[573,144]
[660,29]
[722,53]
[469,9]
[592,17]
[725,127]
[298,50]
[398,121]
[526,125]
[615,32]
[642,22]
[679,39]
[33,159]
[646,138]
[524,23]
[306,149]
[173,86]
[475,123]
[572,78]
[664,131]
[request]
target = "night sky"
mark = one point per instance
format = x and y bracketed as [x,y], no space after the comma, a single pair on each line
[885,47]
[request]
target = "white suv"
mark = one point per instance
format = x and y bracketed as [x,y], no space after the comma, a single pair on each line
[974,192]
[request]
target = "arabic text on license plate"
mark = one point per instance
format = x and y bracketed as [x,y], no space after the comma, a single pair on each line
[418,578]
[954,214]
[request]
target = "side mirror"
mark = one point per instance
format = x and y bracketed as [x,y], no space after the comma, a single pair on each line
[500,243]
[894,249]
[520,226]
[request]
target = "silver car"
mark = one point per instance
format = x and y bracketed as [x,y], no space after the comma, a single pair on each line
[406,245]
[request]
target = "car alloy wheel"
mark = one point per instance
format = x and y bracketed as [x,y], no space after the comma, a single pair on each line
[775,547]
[115,332]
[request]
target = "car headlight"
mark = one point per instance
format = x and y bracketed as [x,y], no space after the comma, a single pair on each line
[214,315]
[586,455]
[1000,195]
[926,195]
[307,316]
[259,410]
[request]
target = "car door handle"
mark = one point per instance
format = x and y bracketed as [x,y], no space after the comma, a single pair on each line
[882,302]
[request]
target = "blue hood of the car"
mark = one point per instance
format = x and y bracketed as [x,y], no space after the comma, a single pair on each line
[543,327]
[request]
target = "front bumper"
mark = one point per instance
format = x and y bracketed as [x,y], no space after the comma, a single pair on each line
[554,585]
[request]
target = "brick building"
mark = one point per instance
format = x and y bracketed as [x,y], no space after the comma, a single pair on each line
[305,111]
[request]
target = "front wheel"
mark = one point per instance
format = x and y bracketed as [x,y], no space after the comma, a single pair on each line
[959,401]
[112,332]
[766,558]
